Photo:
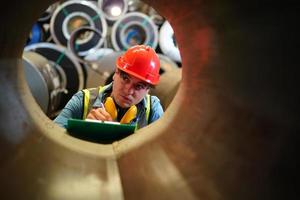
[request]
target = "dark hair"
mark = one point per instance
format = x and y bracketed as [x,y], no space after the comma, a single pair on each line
[122,73]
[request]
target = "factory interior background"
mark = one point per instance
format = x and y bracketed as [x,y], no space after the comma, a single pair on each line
[74,45]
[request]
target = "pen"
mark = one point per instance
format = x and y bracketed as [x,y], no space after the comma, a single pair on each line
[99,106]
[102,106]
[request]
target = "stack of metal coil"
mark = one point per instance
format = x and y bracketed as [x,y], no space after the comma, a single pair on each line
[74,45]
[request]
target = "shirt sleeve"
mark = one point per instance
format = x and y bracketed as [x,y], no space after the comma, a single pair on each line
[73,109]
[156,109]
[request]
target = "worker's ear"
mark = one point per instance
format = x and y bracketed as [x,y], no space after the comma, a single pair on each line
[115,74]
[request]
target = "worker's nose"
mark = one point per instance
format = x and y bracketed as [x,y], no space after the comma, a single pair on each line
[129,87]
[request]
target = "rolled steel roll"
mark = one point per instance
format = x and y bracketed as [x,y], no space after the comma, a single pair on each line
[170,76]
[74,42]
[46,82]
[113,9]
[166,64]
[132,29]
[46,16]
[74,14]
[33,68]
[155,16]
[98,54]
[100,72]
[169,83]
[134,5]
[65,60]
[167,42]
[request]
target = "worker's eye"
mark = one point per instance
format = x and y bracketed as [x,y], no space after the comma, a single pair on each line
[125,77]
[140,87]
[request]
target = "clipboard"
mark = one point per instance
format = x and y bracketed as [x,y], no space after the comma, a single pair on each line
[97,131]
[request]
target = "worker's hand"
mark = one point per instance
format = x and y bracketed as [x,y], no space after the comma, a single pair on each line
[99,114]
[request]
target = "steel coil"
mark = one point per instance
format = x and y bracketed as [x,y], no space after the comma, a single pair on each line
[33,64]
[132,29]
[64,60]
[113,9]
[46,82]
[74,14]
[46,16]
[167,42]
[74,42]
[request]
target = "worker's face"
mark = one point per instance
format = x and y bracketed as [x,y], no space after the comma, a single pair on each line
[128,90]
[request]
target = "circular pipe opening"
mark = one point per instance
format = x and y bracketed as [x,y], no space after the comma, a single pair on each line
[238,104]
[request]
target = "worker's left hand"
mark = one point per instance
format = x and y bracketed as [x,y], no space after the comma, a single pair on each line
[99,114]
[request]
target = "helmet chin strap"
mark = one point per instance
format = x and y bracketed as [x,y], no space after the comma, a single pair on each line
[111,108]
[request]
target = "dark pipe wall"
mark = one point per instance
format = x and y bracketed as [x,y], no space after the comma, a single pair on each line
[236,116]
[230,132]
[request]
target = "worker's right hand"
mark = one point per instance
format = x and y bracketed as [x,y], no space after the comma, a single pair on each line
[99,114]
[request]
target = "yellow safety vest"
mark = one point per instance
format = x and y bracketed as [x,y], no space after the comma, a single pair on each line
[90,95]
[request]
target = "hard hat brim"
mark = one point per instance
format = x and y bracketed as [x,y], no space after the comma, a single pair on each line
[154,81]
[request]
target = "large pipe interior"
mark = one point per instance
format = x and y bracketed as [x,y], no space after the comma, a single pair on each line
[229,133]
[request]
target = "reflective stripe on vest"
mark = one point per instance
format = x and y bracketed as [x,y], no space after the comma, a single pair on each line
[90,94]
[86,98]
[148,106]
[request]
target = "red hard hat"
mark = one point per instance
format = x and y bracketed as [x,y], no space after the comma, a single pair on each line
[141,62]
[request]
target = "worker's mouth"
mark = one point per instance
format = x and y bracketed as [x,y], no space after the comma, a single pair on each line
[126,99]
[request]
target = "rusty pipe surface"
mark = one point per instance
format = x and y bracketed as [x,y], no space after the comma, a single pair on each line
[230,132]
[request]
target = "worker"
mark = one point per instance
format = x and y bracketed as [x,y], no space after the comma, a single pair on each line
[125,99]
